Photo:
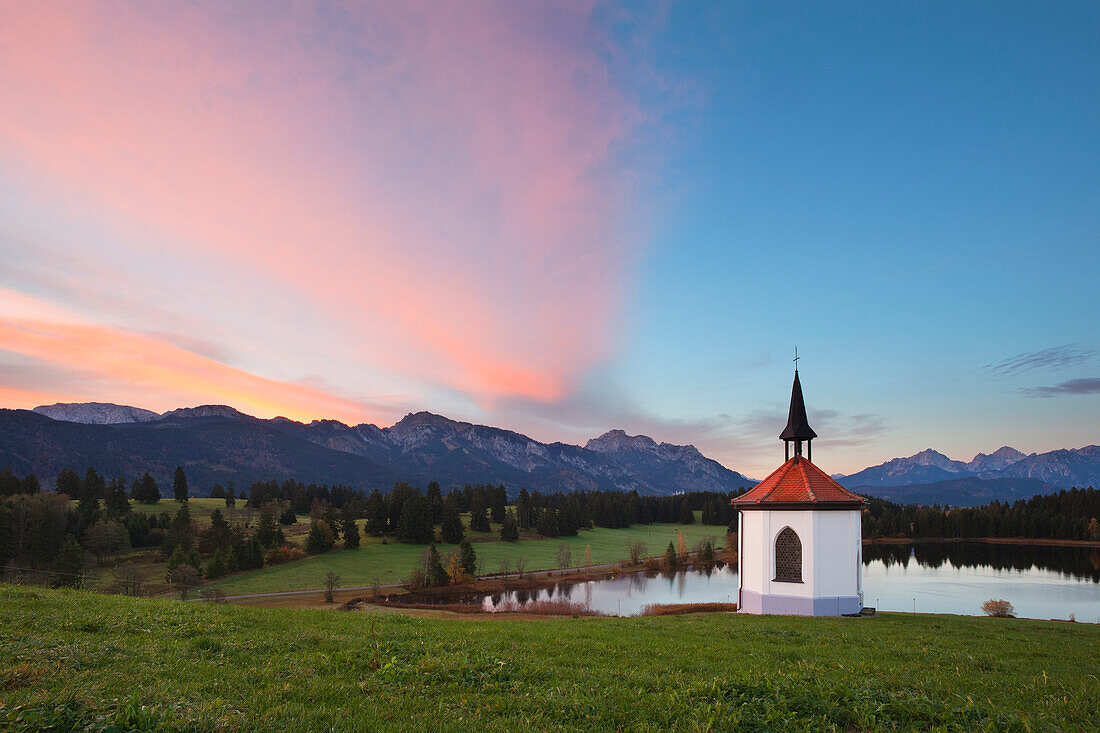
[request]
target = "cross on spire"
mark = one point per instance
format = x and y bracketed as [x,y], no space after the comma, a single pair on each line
[796,358]
[798,428]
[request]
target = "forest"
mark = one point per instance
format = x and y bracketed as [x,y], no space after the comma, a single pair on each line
[56,532]
[1070,514]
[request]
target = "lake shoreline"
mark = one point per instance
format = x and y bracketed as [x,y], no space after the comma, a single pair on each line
[987,540]
[426,598]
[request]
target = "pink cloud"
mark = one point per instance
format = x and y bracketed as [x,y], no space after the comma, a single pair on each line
[433,183]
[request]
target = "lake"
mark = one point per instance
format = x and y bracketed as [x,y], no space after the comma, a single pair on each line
[931,577]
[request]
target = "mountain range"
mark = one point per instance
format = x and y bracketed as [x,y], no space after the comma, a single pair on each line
[1007,474]
[217,443]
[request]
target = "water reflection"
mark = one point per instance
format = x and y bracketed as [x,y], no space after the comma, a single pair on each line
[1075,562]
[1041,581]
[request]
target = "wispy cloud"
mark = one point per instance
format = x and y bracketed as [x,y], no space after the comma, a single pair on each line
[1087,385]
[1057,357]
[440,187]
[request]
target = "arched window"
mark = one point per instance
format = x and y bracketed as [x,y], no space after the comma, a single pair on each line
[788,557]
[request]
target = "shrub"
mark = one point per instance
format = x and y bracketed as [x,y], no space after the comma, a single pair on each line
[280,555]
[999,608]
[673,609]
[321,538]
[551,607]
[418,579]
[183,578]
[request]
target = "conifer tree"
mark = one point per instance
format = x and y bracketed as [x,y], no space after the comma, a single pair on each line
[523,510]
[265,526]
[498,501]
[70,484]
[509,530]
[179,485]
[469,558]
[548,523]
[671,558]
[216,567]
[451,530]
[376,514]
[435,501]
[86,514]
[93,486]
[29,484]
[437,574]
[686,515]
[414,525]
[146,490]
[117,502]
[349,528]
[69,563]
[479,518]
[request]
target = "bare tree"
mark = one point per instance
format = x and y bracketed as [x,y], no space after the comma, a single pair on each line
[565,555]
[520,563]
[505,566]
[184,578]
[128,581]
[332,580]
[637,551]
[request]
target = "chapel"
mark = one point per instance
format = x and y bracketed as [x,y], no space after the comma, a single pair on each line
[799,534]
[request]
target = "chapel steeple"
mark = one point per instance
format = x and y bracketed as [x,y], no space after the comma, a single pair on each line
[798,427]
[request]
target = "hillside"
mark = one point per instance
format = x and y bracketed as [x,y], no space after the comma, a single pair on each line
[216,444]
[212,450]
[966,491]
[72,658]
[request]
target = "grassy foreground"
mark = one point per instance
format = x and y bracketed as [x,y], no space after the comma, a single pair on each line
[92,662]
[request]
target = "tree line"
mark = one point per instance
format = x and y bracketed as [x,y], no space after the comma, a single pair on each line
[1070,514]
[87,515]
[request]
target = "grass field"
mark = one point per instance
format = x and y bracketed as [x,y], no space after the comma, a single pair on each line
[200,507]
[74,660]
[374,562]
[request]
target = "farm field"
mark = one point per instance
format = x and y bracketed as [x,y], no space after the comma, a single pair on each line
[76,660]
[374,562]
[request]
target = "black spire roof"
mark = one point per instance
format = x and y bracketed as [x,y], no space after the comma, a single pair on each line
[798,427]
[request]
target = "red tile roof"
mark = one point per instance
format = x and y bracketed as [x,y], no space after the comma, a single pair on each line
[797,482]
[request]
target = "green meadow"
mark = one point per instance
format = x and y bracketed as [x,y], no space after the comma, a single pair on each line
[73,660]
[373,562]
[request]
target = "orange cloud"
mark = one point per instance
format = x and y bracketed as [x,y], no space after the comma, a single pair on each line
[130,367]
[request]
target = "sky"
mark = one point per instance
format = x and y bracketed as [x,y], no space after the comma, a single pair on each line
[563,218]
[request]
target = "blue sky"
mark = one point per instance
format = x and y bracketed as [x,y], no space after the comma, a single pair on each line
[908,192]
[564,219]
